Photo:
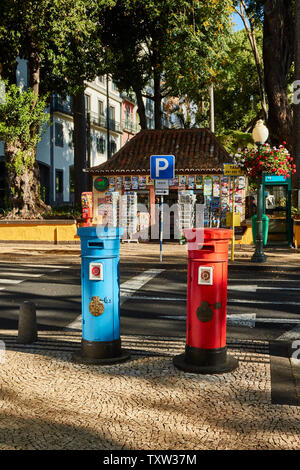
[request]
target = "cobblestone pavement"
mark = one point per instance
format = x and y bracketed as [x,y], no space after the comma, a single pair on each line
[49,402]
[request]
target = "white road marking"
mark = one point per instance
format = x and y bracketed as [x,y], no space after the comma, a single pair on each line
[265,302]
[229,301]
[255,288]
[127,288]
[45,266]
[18,274]
[25,276]
[290,335]
[232,279]
[247,319]
[11,281]
[250,320]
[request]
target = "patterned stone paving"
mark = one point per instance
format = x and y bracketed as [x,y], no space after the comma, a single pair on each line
[49,402]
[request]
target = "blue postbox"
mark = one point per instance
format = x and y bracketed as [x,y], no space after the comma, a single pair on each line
[100,295]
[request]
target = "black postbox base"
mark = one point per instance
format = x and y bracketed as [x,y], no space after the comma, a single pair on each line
[205,361]
[101,352]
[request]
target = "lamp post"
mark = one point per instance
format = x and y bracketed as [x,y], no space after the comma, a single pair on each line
[260,135]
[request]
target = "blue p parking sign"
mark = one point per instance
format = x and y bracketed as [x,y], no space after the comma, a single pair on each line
[162,167]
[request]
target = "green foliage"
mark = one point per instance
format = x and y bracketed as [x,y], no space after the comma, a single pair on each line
[234,141]
[22,124]
[63,212]
[237,99]
[183,41]
[61,35]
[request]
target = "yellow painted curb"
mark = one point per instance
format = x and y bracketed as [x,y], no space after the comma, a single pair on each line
[39,231]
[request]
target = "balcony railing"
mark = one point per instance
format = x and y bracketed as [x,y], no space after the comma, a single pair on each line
[129,126]
[61,106]
[98,119]
[101,121]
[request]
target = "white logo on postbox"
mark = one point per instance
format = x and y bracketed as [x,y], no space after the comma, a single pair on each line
[205,275]
[96,272]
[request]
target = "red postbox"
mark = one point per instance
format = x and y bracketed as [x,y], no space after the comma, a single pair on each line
[206,351]
[87,208]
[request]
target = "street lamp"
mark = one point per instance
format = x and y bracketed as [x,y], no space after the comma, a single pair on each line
[260,135]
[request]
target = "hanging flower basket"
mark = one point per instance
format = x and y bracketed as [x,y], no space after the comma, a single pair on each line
[267,160]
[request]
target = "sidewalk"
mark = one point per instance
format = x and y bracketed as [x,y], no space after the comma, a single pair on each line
[49,402]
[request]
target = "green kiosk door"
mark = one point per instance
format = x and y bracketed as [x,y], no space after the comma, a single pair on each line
[277,206]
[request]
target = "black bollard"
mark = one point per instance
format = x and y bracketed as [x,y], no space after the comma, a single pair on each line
[27,328]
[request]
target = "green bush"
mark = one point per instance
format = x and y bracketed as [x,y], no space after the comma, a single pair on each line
[235,140]
[63,212]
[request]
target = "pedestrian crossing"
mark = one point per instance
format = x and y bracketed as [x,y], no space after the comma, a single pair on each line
[18,273]
[160,294]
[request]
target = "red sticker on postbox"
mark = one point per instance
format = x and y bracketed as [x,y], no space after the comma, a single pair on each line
[205,275]
[96,272]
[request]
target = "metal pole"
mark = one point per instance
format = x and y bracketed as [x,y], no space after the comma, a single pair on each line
[212,109]
[233,209]
[107,119]
[161,225]
[259,256]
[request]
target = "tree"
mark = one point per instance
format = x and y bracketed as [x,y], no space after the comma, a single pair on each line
[297,105]
[237,96]
[20,112]
[250,27]
[53,36]
[179,45]
[278,53]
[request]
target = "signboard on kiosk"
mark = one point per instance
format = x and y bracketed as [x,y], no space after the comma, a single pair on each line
[232,170]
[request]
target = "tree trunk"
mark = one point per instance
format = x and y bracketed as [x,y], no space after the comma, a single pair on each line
[297,104]
[24,183]
[80,161]
[278,56]
[34,64]
[157,100]
[141,108]
[22,167]
[242,12]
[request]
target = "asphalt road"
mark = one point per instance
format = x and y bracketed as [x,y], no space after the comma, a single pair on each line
[262,305]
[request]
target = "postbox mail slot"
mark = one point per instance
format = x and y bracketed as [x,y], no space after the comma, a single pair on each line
[207,247]
[95,245]
[205,275]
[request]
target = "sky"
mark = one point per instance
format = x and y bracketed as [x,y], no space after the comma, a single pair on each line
[238,22]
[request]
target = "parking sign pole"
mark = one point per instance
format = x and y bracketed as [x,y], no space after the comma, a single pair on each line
[161,225]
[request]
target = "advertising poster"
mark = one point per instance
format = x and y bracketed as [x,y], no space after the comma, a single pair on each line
[182,181]
[127,183]
[241,182]
[135,182]
[191,182]
[199,182]
[216,186]
[142,182]
[149,181]
[119,182]
[112,184]
[224,184]
[208,186]
[174,181]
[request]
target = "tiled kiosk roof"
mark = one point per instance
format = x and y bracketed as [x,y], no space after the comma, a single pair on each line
[196,151]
